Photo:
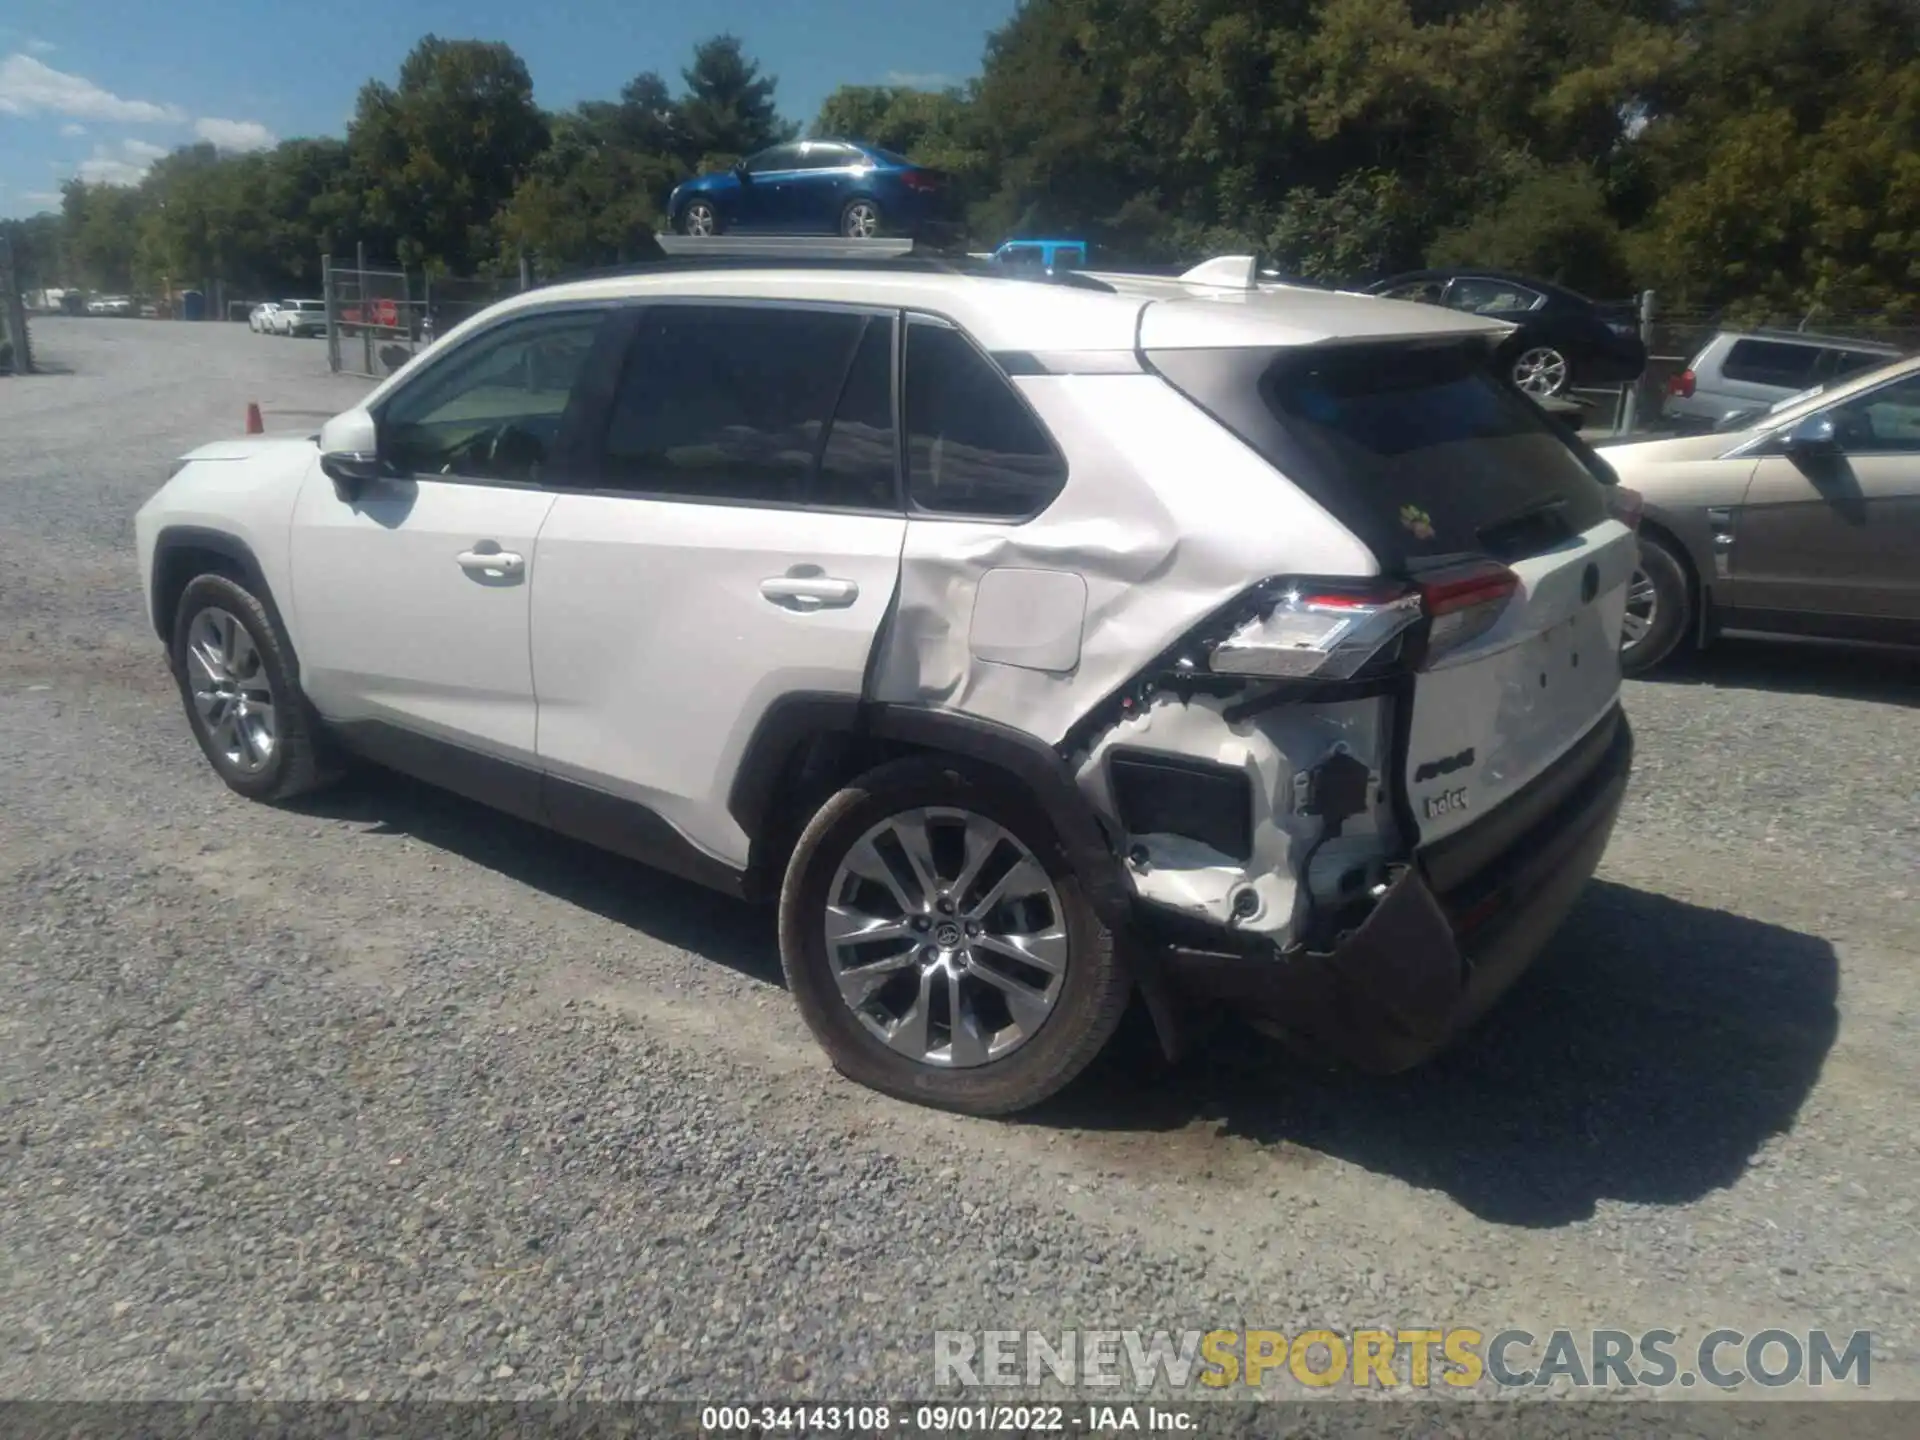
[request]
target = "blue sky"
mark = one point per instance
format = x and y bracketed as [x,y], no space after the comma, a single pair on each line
[100,87]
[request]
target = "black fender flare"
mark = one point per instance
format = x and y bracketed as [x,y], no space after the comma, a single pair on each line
[798,722]
[178,539]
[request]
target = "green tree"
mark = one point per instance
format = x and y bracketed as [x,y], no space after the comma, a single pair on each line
[587,201]
[102,224]
[728,110]
[436,156]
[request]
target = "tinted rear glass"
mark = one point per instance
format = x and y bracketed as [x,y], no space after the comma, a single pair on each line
[1421,452]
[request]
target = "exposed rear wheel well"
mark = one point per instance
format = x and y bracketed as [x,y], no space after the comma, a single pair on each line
[818,768]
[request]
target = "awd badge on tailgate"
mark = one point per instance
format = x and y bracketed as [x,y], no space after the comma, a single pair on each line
[1445,803]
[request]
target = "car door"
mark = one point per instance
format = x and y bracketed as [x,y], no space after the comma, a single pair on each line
[766,190]
[811,190]
[740,543]
[1826,543]
[412,594]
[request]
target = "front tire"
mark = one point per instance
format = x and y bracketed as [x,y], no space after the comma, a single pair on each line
[700,219]
[230,660]
[1659,609]
[939,945]
[860,220]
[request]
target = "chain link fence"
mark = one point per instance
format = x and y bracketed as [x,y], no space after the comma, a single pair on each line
[379,318]
[16,349]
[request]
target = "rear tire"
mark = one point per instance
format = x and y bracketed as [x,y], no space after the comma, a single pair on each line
[1061,1032]
[1659,609]
[232,665]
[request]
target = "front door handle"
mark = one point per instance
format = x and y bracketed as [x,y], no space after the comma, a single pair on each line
[494,562]
[810,592]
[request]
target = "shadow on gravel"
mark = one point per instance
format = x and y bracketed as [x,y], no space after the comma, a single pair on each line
[1645,1058]
[1800,668]
[673,911]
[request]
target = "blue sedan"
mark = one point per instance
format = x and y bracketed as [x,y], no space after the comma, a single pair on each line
[815,187]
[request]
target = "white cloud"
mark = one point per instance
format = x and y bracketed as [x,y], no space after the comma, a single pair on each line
[124,164]
[72,130]
[42,47]
[235,134]
[921,79]
[45,199]
[28,87]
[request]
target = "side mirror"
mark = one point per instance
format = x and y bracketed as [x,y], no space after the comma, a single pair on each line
[740,170]
[1812,435]
[350,451]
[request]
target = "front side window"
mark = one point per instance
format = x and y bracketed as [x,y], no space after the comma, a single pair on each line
[1883,421]
[780,157]
[756,404]
[1491,297]
[492,410]
[973,446]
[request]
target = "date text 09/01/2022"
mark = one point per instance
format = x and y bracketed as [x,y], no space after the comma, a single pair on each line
[943,1419]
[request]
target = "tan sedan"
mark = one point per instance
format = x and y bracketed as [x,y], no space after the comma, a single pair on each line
[1805,522]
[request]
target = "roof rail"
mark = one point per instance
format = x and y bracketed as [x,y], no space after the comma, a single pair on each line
[811,252]
[787,247]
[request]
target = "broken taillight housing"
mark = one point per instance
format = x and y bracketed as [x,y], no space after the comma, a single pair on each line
[1315,632]
[1323,630]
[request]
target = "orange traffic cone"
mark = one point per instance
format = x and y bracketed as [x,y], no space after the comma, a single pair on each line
[254,427]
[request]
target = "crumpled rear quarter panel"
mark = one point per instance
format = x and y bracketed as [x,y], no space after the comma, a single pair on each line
[1165,516]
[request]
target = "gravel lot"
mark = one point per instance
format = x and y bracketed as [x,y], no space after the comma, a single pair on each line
[390,1096]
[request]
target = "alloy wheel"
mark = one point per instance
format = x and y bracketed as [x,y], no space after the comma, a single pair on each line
[1541,371]
[862,220]
[231,690]
[1643,608]
[946,937]
[700,219]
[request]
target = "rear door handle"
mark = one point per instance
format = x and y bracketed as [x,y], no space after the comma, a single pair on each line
[810,592]
[491,562]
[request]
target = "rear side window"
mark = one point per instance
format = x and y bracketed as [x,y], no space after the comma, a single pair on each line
[1771,362]
[973,446]
[738,403]
[1421,452]
[1837,364]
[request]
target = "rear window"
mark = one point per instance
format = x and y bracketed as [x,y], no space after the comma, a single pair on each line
[1422,452]
[1771,362]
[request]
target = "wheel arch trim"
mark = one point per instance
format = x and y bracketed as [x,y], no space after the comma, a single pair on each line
[176,540]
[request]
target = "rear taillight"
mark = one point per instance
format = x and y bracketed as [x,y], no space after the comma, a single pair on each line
[1624,505]
[1463,602]
[1681,385]
[919,180]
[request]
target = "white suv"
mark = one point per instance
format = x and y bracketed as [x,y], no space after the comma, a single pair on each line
[1035,643]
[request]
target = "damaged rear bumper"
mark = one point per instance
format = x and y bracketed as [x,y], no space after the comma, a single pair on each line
[1458,924]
